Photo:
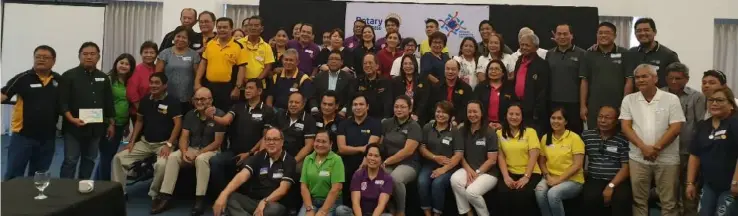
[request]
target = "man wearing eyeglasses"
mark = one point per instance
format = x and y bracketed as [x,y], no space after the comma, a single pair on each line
[199,141]
[259,53]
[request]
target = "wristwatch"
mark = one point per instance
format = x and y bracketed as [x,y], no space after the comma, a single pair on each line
[169,144]
[309,208]
[611,185]
[478,171]
[734,182]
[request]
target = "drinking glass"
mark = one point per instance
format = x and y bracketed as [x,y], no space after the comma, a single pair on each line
[42,180]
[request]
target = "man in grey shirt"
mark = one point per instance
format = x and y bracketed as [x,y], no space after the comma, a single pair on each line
[693,105]
[565,60]
[179,63]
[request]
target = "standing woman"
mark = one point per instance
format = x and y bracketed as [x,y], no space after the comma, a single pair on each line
[468,59]
[400,135]
[336,43]
[495,46]
[280,46]
[389,53]
[561,162]
[238,34]
[442,153]
[496,93]
[119,76]
[368,45]
[179,63]
[518,164]
[433,63]
[410,83]
[713,154]
[479,166]
[138,84]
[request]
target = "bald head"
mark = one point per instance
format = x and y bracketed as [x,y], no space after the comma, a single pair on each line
[203,98]
[203,92]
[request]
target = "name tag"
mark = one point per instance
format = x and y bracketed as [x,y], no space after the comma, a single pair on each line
[256,115]
[445,141]
[309,51]
[259,58]
[324,173]
[720,132]
[319,124]
[293,89]
[299,126]
[99,79]
[612,149]
[277,175]
[404,131]
[37,85]
[481,142]
[573,58]
[366,131]
[263,171]
[616,55]
[163,106]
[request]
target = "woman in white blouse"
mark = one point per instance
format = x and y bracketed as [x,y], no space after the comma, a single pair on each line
[468,59]
[495,45]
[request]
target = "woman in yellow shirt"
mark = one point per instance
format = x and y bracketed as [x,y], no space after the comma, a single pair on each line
[561,162]
[519,147]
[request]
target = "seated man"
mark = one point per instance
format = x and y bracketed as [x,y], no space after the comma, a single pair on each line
[273,171]
[298,127]
[200,140]
[159,121]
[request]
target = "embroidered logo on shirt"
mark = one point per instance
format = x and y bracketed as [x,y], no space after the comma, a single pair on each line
[420,85]
[363,185]
[535,76]
[379,182]
[461,91]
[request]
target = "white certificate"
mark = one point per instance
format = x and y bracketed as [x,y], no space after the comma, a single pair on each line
[91,115]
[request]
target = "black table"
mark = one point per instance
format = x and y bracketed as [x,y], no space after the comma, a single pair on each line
[63,198]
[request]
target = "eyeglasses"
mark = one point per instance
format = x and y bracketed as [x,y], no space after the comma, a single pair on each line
[42,57]
[277,139]
[718,101]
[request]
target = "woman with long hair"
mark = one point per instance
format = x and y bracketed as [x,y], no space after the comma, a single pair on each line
[367,45]
[496,45]
[119,75]
[280,46]
[413,85]
[179,63]
[496,93]
[468,59]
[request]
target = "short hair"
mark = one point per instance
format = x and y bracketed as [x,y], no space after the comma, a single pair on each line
[161,76]
[89,44]
[47,48]
[257,82]
[488,23]
[392,19]
[533,38]
[225,19]
[324,131]
[382,151]
[678,67]
[717,74]
[650,68]
[187,9]
[329,93]
[571,29]
[338,52]
[238,30]
[306,24]
[458,64]
[431,21]
[297,93]
[408,40]
[245,21]
[647,20]
[190,33]
[359,95]
[609,25]
[281,134]
[256,17]
[149,45]
[339,31]
[359,21]
[211,14]
[405,98]
[524,31]
[399,36]
[502,66]
[374,57]
[446,107]
[292,51]
[438,35]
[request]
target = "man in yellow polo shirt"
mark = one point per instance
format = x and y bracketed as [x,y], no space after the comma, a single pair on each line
[219,60]
[259,53]
[431,26]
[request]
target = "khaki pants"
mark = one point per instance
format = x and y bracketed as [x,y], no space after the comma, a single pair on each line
[141,150]
[686,206]
[667,186]
[202,169]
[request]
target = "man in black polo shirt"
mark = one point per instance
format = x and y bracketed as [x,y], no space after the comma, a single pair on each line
[35,114]
[564,61]
[247,122]
[188,18]
[327,119]
[273,172]
[87,105]
[298,128]
[651,51]
[159,122]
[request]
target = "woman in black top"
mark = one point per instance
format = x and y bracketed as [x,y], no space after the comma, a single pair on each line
[415,86]
[368,45]
[713,153]
[280,47]
[494,106]
[336,44]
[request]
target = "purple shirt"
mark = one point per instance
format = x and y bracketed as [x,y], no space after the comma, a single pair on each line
[381,43]
[308,55]
[371,188]
[351,42]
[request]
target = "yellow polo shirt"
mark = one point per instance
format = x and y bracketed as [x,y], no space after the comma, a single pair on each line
[516,150]
[560,154]
[221,59]
[425,47]
[258,55]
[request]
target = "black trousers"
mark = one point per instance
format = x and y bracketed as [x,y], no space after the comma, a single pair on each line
[594,204]
[574,121]
[221,94]
[521,201]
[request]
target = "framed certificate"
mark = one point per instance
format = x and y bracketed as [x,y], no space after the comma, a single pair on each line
[91,115]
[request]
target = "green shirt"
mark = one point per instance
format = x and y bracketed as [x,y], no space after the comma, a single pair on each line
[321,177]
[120,102]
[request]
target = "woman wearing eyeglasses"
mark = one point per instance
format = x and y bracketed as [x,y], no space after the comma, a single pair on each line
[179,63]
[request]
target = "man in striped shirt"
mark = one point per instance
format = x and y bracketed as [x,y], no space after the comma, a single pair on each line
[607,190]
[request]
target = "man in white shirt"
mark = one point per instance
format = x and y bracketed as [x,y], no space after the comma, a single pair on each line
[651,120]
[524,31]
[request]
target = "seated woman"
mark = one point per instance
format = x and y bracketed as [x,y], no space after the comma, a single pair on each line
[322,178]
[713,153]
[370,186]
[519,147]
[561,162]
[442,153]
[479,172]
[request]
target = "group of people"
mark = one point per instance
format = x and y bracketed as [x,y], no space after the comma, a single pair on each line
[343,128]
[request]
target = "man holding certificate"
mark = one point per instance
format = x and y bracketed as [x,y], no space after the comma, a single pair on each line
[86,102]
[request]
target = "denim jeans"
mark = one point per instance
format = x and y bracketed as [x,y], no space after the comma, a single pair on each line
[82,150]
[25,151]
[222,169]
[108,149]
[432,191]
[716,203]
[318,203]
[550,199]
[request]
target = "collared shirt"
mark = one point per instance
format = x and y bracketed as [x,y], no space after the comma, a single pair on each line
[468,70]
[718,152]
[371,188]
[180,69]
[195,42]
[541,52]
[281,86]
[482,49]
[120,102]
[202,130]
[332,80]
[507,59]
[516,150]
[378,93]
[397,66]
[138,85]
[441,142]
[425,47]
[82,89]
[307,54]
[605,157]
[396,134]
[331,126]
[521,76]
[477,145]
[248,125]
[258,56]
[493,108]
[358,134]
[660,57]
[351,42]
[295,133]
[266,175]
[221,60]
[36,110]
[693,105]
[386,59]
[459,94]
[321,175]
[650,122]
[561,152]
[565,73]
[606,75]
[432,65]
[158,117]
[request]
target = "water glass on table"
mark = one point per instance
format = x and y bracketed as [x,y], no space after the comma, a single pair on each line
[42,180]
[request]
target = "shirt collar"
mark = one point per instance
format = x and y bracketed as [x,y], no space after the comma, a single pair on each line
[163,96]
[448,128]
[284,75]
[656,49]
[397,121]
[615,49]
[563,136]
[287,113]
[686,90]
[260,105]
[570,49]
[282,155]
[656,97]
[331,155]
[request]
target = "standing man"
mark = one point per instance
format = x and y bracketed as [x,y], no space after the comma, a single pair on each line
[651,120]
[693,105]
[307,49]
[354,41]
[487,29]
[259,53]
[290,80]
[335,79]
[35,114]
[392,25]
[565,60]
[87,105]
[220,58]
[431,26]
[604,78]
[651,51]
[531,79]
[206,21]
[188,18]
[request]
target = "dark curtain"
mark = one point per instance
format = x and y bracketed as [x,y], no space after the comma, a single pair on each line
[508,20]
[283,14]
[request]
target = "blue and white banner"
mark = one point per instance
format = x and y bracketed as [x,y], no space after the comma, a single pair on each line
[456,21]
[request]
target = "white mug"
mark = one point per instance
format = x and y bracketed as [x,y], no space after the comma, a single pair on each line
[86,186]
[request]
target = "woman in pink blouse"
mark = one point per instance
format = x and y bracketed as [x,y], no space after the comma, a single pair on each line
[138,84]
